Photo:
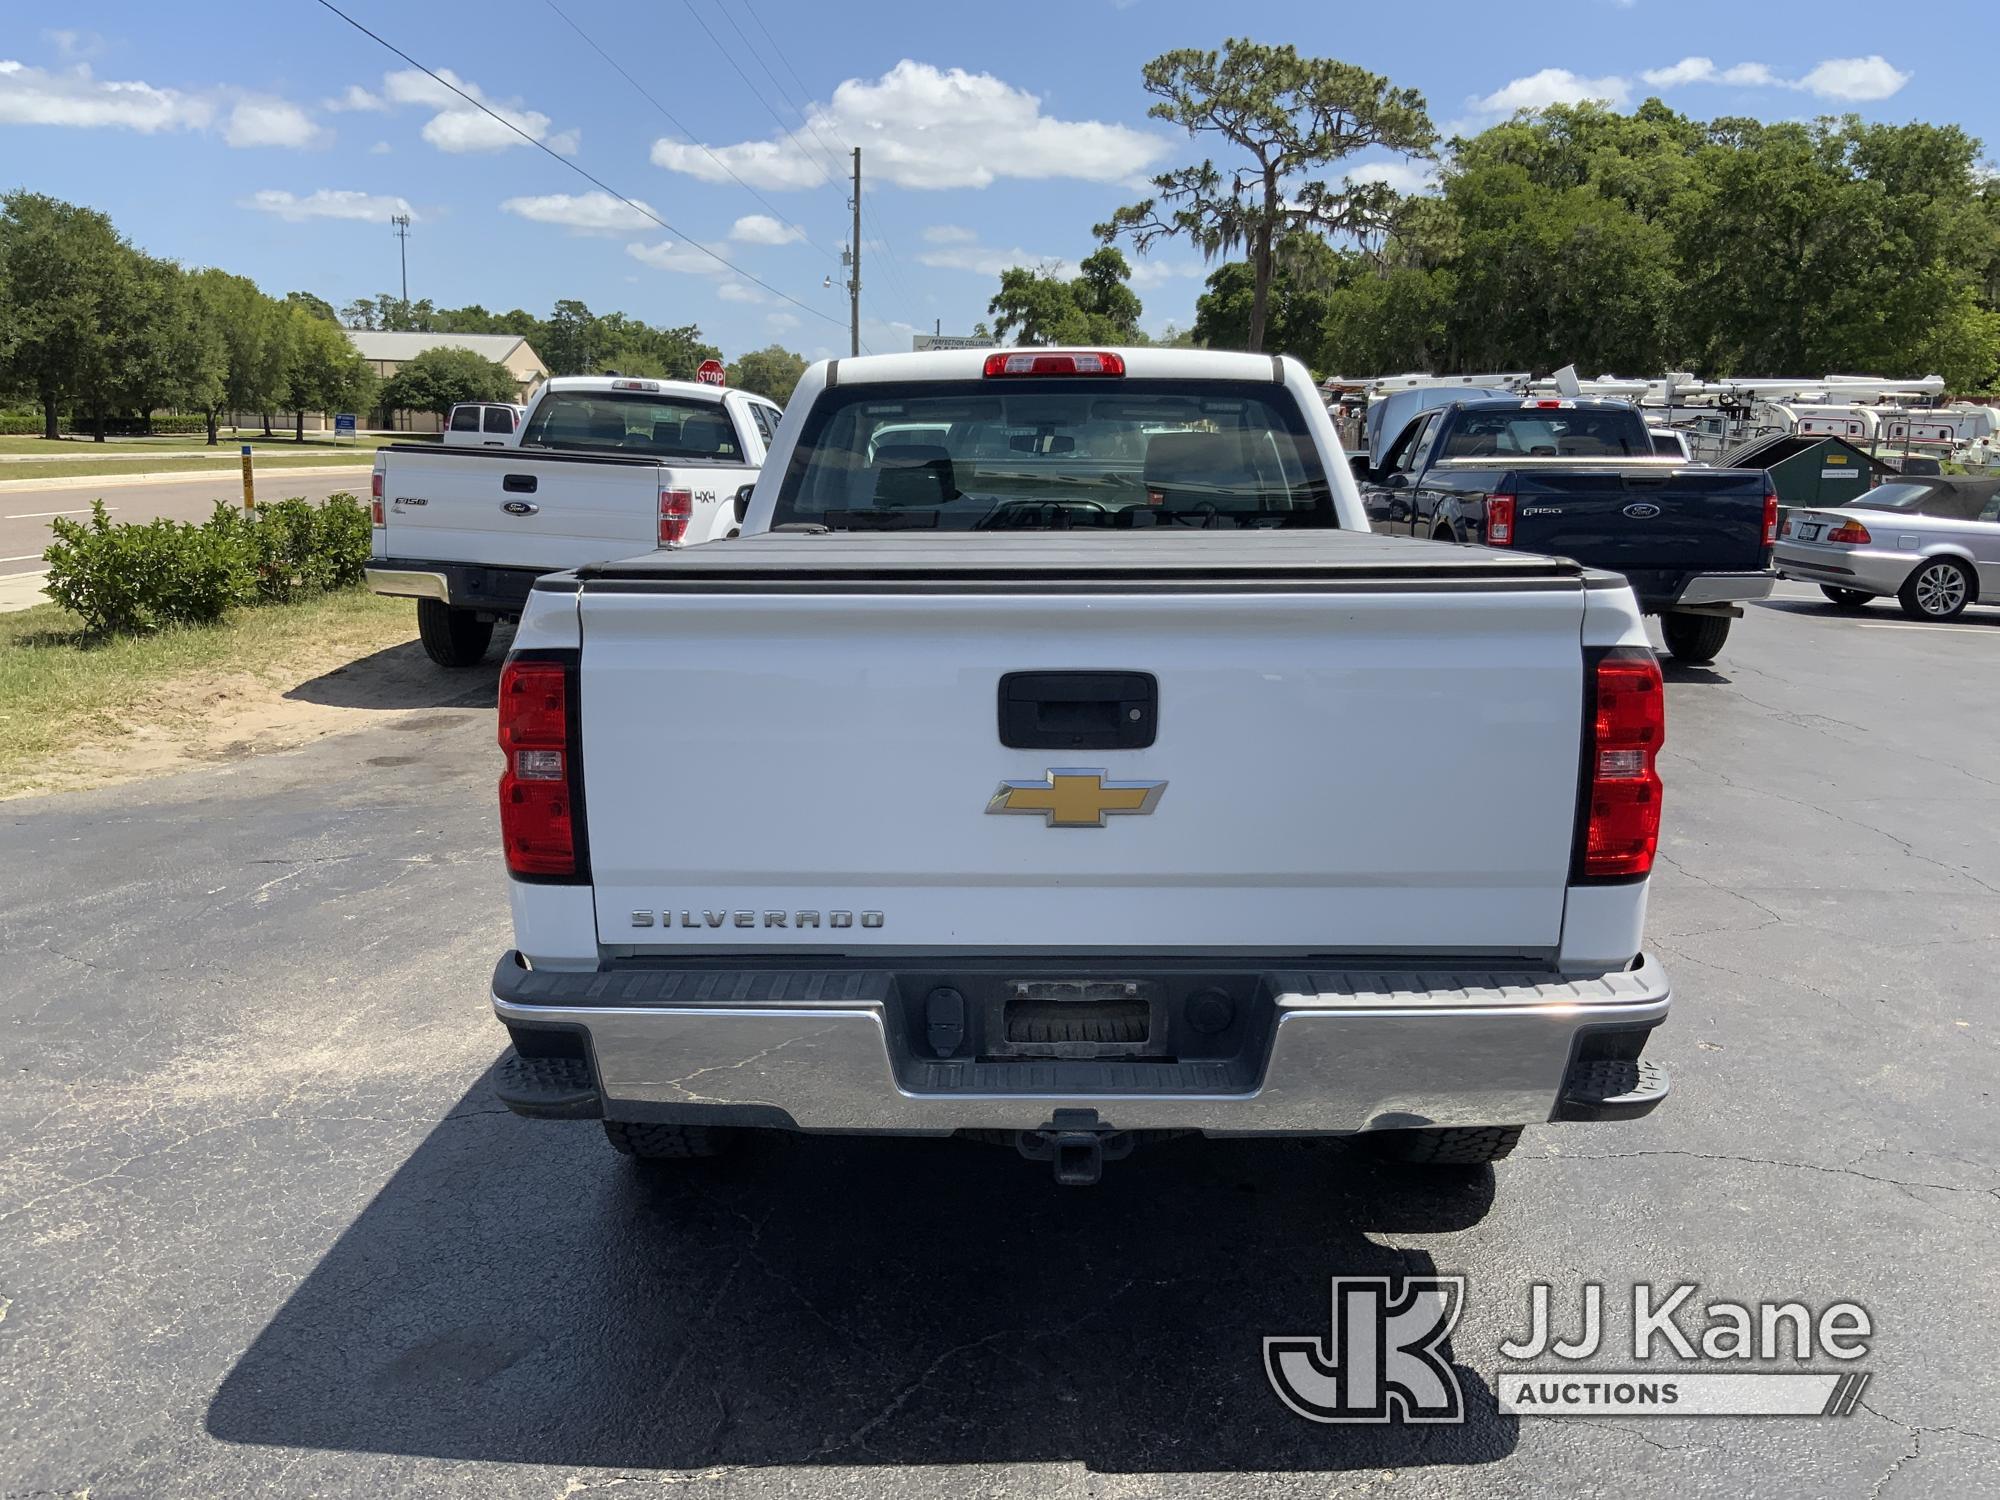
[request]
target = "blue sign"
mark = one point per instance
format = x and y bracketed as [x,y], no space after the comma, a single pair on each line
[343,424]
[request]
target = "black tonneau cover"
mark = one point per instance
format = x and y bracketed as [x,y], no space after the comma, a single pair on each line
[1168,560]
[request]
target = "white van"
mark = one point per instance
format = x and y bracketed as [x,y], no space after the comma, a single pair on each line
[483,424]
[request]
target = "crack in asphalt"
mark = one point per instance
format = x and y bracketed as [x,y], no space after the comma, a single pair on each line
[1756,1161]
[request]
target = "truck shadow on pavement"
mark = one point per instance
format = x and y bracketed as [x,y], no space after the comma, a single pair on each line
[402,677]
[517,1293]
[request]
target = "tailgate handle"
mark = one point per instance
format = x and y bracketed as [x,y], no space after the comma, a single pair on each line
[519,484]
[1078,710]
[1646,481]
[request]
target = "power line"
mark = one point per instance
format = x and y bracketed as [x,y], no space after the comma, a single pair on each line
[891,259]
[832,155]
[587,176]
[755,93]
[691,135]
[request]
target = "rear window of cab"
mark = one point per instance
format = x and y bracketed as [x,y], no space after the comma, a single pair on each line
[1055,455]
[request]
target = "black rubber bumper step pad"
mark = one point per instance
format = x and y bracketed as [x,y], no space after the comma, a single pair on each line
[1612,1089]
[548,1088]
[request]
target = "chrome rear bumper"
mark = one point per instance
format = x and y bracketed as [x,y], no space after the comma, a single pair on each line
[1727,588]
[824,1051]
[408,583]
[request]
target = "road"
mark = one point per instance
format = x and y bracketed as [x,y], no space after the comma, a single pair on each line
[263,1228]
[25,512]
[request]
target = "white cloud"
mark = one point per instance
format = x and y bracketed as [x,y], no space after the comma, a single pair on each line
[582,213]
[1158,273]
[1855,79]
[1403,176]
[669,255]
[74,44]
[761,163]
[1553,86]
[357,98]
[1687,70]
[77,99]
[329,203]
[780,321]
[738,291]
[1753,75]
[982,261]
[380,148]
[949,234]
[270,122]
[925,127]
[459,127]
[34,96]
[762,229]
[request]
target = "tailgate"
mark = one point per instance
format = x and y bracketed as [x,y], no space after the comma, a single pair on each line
[508,509]
[1663,520]
[1391,771]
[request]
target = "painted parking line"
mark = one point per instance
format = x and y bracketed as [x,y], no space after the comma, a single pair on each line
[24,557]
[1954,629]
[38,515]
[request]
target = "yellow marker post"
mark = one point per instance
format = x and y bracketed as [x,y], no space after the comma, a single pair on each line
[249,485]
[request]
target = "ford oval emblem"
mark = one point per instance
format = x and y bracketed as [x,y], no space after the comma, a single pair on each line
[1644,510]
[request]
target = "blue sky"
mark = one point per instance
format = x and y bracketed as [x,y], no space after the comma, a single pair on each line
[273,140]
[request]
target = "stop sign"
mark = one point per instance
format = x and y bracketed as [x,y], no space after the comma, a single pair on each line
[710,372]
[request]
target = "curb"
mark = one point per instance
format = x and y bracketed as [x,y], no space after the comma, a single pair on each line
[185,476]
[20,591]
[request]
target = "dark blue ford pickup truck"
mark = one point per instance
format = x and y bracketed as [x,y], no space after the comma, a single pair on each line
[1577,479]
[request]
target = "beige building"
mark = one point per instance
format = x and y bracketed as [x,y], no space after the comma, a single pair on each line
[387,353]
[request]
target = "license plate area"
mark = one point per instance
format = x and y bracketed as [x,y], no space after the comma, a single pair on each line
[1094,1024]
[1078,1018]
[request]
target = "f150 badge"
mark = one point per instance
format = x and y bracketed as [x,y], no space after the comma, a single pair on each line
[1076,798]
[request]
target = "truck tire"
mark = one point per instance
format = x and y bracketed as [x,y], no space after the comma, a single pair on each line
[1694,639]
[1451,1146]
[1937,589]
[1845,598]
[665,1142]
[452,637]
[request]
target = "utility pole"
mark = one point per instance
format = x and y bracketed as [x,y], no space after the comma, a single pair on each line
[402,223]
[854,267]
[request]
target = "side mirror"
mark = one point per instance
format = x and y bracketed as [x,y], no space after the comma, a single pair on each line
[743,502]
[1395,481]
[1357,463]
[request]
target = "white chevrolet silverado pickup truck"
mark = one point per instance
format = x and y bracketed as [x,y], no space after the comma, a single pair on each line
[1096,774]
[598,467]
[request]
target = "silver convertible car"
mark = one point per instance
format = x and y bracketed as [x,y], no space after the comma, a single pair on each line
[1934,546]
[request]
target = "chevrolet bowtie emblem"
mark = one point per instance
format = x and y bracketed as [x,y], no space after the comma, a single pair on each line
[1076,799]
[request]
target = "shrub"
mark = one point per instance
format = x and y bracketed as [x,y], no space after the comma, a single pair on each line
[139,577]
[132,577]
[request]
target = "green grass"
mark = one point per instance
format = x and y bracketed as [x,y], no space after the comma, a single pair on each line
[263,461]
[60,688]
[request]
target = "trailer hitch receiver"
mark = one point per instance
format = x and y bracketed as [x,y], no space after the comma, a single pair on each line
[1077,1144]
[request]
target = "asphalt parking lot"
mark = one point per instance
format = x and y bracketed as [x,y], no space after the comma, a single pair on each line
[264,1229]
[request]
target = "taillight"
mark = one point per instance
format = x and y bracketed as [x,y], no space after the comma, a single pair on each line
[1621,814]
[375,497]
[1104,363]
[538,822]
[1850,531]
[1499,520]
[1770,512]
[676,510]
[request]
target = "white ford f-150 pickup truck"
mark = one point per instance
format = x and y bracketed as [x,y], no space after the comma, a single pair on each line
[598,467]
[1096,774]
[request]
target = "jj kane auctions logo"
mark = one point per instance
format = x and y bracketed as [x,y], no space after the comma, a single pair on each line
[1383,1359]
